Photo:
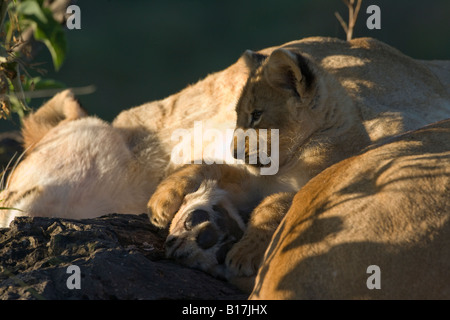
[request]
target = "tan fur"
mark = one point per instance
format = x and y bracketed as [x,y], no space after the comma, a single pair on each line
[78,169]
[265,218]
[329,99]
[389,207]
[61,108]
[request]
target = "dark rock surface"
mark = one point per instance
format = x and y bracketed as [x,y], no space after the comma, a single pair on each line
[119,256]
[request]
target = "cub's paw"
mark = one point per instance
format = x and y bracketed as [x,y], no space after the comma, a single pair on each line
[204,229]
[170,193]
[246,256]
[164,203]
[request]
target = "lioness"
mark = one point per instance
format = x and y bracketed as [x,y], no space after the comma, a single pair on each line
[388,207]
[329,99]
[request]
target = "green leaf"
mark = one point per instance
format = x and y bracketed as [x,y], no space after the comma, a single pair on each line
[32,10]
[46,30]
[55,40]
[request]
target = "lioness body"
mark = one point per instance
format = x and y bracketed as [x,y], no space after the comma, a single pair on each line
[388,207]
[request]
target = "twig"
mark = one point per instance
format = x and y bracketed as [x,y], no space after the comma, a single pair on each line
[353,11]
[341,21]
[51,92]
[18,89]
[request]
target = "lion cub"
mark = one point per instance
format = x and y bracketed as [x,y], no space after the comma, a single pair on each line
[287,92]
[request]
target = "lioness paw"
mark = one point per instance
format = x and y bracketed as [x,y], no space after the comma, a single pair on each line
[204,230]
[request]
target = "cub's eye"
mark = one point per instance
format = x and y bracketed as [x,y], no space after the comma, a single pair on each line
[256,115]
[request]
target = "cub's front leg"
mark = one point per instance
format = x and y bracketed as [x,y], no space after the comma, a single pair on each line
[246,255]
[170,193]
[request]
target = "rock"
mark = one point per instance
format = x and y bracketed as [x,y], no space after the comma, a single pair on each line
[119,256]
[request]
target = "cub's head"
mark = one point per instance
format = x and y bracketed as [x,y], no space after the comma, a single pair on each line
[282,93]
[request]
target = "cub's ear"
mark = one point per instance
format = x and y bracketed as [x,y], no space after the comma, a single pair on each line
[253,59]
[289,71]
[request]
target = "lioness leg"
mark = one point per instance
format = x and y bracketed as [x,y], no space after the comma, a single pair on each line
[245,256]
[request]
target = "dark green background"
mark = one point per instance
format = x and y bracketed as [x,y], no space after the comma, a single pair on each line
[138,51]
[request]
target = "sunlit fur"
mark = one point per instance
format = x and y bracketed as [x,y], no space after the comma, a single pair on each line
[388,207]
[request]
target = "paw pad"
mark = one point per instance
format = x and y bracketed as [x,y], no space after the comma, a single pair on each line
[204,230]
[207,237]
[195,218]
